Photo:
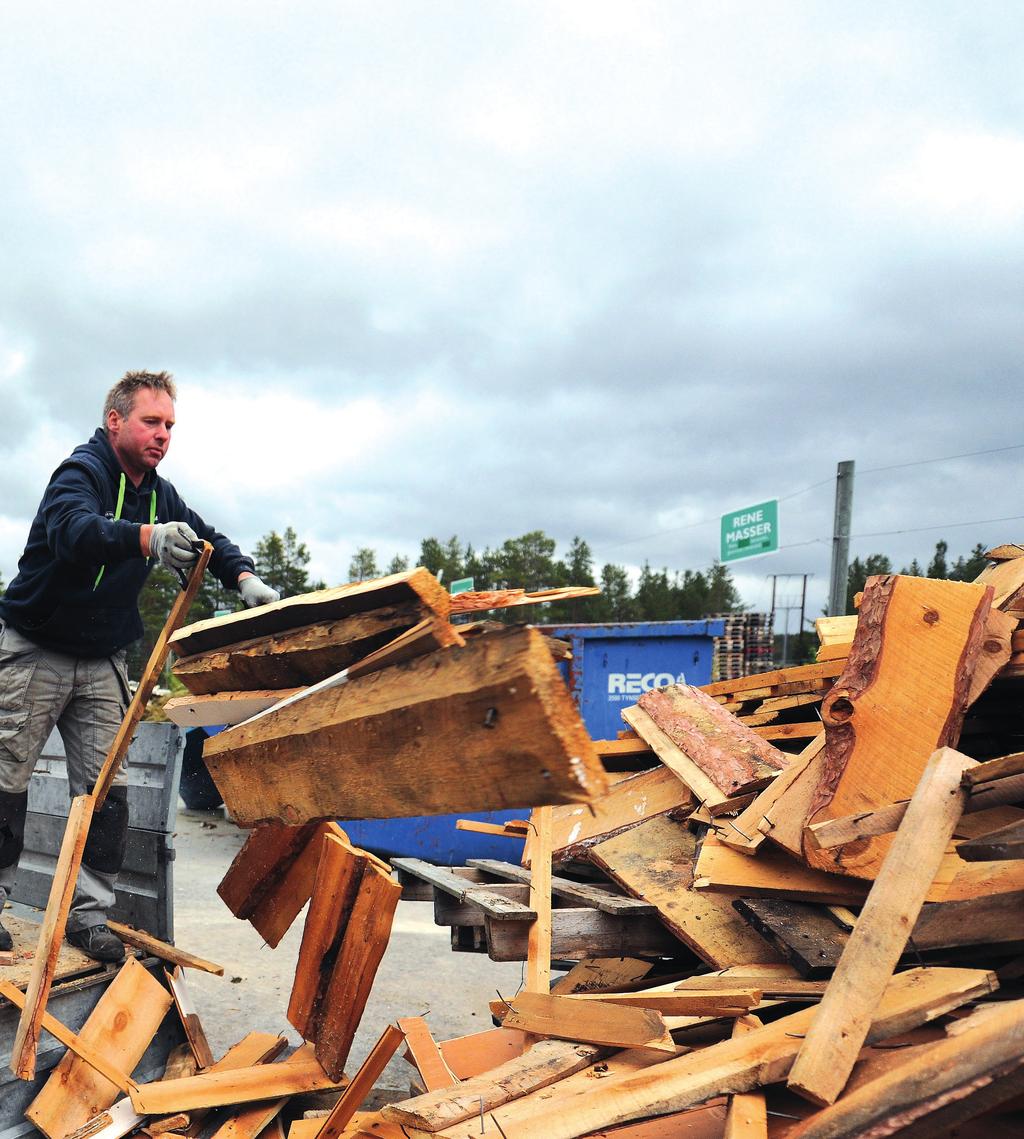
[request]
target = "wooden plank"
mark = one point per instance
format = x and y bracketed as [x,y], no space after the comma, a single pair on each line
[412,740]
[362,1083]
[195,1034]
[806,935]
[588,1022]
[154,947]
[729,1067]
[271,877]
[358,955]
[492,903]
[771,986]
[429,635]
[223,707]
[734,758]
[241,1085]
[626,804]
[538,946]
[479,1052]
[51,932]
[546,1063]
[295,657]
[425,1056]
[800,674]
[747,1115]
[1001,768]
[880,935]
[578,932]
[655,861]
[783,824]
[730,1002]
[599,974]
[773,874]
[938,1074]
[601,898]
[836,630]
[417,586]
[1007,842]
[119,1028]
[806,731]
[902,695]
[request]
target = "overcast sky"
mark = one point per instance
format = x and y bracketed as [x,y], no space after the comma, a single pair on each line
[607,269]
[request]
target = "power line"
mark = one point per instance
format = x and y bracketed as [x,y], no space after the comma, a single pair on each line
[938,526]
[941,459]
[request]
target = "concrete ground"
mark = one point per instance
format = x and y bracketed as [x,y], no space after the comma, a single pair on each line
[419,976]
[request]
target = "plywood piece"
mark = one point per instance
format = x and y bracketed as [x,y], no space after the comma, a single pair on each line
[626,804]
[483,727]
[772,874]
[655,861]
[71,962]
[880,935]
[417,586]
[588,1022]
[902,695]
[547,1062]
[735,759]
[295,657]
[121,1027]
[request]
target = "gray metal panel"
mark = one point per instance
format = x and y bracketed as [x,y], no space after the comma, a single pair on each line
[71,1004]
[154,772]
[145,886]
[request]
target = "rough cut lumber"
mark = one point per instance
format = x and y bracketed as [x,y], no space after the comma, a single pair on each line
[484,727]
[588,1022]
[488,899]
[987,920]
[271,877]
[546,1062]
[655,861]
[601,974]
[422,1052]
[223,708]
[479,1052]
[880,935]
[772,874]
[805,674]
[431,634]
[729,1002]
[300,1073]
[783,823]
[120,1028]
[806,935]
[938,1074]
[1005,843]
[195,1034]
[747,1115]
[1006,580]
[902,695]
[578,932]
[1001,768]
[734,758]
[362,1083]
[996,647]
[51,932]
[296,657]
[538,946]
[586,893]
[739,1065]
[417,586]
[475,600]
[836,630]
[624,805]
[156,948]
[771,986]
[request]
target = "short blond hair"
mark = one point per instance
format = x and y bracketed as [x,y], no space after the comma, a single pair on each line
[121,397]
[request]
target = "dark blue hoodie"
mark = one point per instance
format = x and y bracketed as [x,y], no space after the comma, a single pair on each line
[55,599]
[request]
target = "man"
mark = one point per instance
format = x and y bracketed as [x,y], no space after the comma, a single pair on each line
[105,519]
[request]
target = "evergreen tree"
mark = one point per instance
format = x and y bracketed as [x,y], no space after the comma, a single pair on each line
[967,569]
[363,566]
[913,570]
[281,562]
[443,559]
[398,564]
[938,567]
[859,572]
[615,602]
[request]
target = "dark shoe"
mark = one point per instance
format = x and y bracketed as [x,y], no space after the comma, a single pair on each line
[6,941]
[97,942]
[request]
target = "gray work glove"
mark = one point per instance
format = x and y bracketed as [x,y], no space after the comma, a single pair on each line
[171,543]
[255,592]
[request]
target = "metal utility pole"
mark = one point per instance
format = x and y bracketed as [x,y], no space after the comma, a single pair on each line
[841,539]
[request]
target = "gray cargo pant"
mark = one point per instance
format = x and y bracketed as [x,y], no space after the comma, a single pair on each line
[86,699]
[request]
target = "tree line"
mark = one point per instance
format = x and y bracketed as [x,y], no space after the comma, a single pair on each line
[965,568]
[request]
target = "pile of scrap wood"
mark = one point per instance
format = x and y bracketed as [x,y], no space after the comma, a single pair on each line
[778,933]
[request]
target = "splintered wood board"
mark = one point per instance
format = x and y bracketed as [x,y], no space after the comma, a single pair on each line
[655,861]
[902,695]
[589,1022]
[121,1027]
[483,727]
[626,804]
[415,586]
[296,656]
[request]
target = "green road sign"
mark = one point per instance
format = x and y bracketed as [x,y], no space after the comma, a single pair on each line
[463,585]
[750,532]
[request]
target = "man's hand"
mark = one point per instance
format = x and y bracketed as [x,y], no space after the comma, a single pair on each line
[171,543]
[256,592]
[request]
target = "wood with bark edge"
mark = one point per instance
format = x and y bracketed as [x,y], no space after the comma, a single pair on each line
[422,1052]
[362,1083]
[734,1066]
[120,1027]
[486,726]
[996,646]
[730,754]
[902,695]
[418,586]
[938,1074]
[880,935]
[655,861]
[295,657]
[587,1022]
[547,1062]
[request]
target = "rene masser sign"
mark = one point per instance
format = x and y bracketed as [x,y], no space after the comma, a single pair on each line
[751,531]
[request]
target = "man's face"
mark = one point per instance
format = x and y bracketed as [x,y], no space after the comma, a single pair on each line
[140,440]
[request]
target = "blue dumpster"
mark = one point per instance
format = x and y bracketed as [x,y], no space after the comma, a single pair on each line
[611,667]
